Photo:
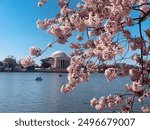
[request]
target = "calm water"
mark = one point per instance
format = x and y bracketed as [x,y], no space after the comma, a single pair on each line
[19,92]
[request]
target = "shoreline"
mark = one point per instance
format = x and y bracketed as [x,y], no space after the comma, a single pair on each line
[41,71]
[33,72]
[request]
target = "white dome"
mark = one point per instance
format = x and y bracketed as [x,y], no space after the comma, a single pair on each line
[57,54]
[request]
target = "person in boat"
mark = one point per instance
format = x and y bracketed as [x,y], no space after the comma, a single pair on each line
[38,79]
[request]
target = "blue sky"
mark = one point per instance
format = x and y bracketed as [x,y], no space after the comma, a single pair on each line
[18,30]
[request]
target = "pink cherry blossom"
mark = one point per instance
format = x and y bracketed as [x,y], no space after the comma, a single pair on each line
[126,109]
[94,102]
[118,100]
[111,105]
[100,107]
[148,33]
[27,62]
[145,109]
[63,3]
[110,73]
[64,89]
[136,86]
[35,51]
[79,37]
[75,46]
[129,100]
[42,24]
[41,3]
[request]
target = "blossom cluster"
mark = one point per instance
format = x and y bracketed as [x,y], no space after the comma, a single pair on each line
[111,73]
[35,51]
[78,73]
[105,23]
[111,101]
[26,62]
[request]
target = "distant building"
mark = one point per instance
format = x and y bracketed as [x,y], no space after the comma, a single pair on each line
[9,63]
[1,66]
[57,60]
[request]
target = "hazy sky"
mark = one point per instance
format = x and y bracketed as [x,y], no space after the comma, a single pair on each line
[18,30]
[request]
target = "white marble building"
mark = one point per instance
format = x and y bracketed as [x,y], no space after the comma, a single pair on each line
[59,60]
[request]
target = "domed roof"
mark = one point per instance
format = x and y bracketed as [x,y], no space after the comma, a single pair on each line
[59,54]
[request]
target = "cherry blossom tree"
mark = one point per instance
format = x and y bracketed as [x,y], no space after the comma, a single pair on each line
[106,35]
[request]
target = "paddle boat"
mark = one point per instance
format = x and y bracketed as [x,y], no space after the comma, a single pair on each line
[38,79]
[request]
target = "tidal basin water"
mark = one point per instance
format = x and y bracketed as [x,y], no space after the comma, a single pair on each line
[19,92]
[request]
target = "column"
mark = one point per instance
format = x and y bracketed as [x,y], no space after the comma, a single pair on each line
[55,63]
[59,63]
[64,62]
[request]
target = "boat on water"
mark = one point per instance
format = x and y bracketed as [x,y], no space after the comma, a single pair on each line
[38,79]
